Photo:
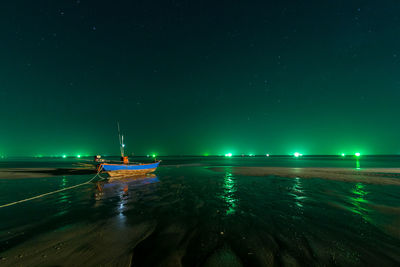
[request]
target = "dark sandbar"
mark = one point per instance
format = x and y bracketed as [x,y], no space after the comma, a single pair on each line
[381,176]
[17,173]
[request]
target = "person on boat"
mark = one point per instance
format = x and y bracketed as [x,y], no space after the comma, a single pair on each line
[125,160]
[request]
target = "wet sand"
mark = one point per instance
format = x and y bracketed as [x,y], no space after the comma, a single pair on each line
[17,173]
[182,220]
[380,176]
[105,243]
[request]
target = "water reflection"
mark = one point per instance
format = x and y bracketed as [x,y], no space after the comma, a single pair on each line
[357,164]
[358,200]
[124,189]
[64,181]
[229,194]
[63,195]
[123,200]
[122,186]
[298,193]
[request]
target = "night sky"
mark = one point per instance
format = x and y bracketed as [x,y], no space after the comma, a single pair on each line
[199,77]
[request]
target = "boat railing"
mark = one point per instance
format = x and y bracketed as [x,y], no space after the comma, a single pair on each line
[119,162]
[130,163]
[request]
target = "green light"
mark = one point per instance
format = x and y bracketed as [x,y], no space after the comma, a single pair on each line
[297,154]
[228,155]
[78,156]
[154,155]
[64,156]
[357,154]
[343,155]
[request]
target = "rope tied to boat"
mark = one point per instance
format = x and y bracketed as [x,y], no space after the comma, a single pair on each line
[54,192]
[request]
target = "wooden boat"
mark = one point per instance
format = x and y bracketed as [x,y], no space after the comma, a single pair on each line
[125,168]
[129,169]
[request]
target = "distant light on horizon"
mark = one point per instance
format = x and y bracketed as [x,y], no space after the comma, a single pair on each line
[343,155]
[297,154]
[267,155]
[78,156]
[228,155]
[64,156]
[357,154]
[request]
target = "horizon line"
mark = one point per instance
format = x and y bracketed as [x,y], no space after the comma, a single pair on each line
[198,155]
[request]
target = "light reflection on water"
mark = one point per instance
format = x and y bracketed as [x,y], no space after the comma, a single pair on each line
[357,199]
[298,192]
[63,196]
[123,189]
[63,181]
[229,194]
[121,205]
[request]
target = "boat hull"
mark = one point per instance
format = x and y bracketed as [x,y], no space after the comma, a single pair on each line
[125,173]
[124,170]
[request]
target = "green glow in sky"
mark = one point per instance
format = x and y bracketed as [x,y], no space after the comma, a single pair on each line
[199,77]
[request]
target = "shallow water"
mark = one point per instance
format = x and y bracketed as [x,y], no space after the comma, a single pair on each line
[189,214]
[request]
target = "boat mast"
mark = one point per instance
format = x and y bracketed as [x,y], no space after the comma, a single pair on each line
[121,141]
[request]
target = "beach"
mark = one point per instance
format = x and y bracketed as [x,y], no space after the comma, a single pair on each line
[206,212]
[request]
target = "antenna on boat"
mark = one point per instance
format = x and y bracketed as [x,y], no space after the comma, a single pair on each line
[121,141]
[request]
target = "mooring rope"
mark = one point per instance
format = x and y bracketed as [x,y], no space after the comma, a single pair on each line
[52,192]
